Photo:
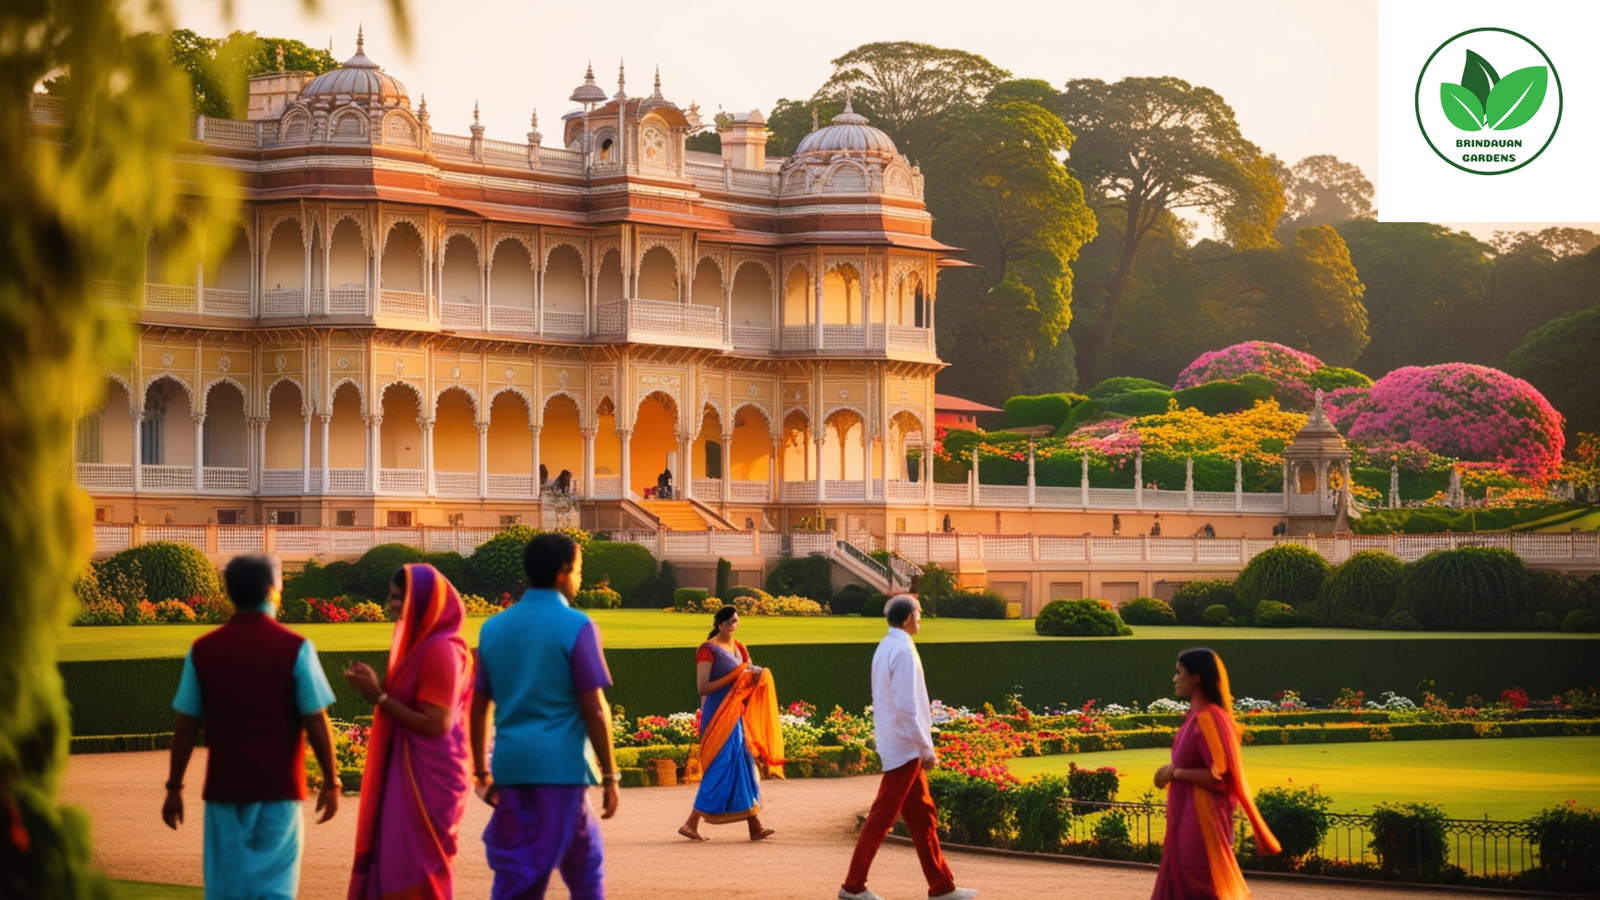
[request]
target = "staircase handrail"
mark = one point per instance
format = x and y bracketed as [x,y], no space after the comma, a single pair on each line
[856,553]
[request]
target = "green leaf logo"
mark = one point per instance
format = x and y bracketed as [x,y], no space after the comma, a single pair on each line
[1461,107]
[1516,98]
[1478,77]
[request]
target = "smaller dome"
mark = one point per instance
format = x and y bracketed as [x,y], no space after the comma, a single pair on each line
[588,92]
[360,80]
[848,133]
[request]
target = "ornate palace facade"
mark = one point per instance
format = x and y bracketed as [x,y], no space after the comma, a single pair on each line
[413,327]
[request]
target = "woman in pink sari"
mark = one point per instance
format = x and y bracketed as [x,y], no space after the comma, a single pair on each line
[1204,784]
[418,776]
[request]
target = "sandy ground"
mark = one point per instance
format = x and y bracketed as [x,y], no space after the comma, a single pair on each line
[807,858]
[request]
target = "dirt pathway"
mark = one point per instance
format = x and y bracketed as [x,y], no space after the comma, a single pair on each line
[644,858]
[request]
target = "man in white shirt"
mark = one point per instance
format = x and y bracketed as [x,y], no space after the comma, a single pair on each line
[902,719]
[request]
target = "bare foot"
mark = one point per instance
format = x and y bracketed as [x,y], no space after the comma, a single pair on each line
[691,834]
[763,834]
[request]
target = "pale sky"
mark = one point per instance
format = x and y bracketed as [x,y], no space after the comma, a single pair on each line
[1301,77]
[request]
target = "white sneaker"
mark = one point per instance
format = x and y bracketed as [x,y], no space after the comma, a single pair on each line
[865,894]
[959,893]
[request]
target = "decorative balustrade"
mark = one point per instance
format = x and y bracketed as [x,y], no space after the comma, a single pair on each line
[229,132]
[513,319]
[845,490]
[348,481]
[281,482]
[103,477]
[167,478]
[461,315]
[119,294]
[659,321]
[193,535]
[170,298]
[510,485]
[910,338]
[347,301]
[281,303]
[906,491]
[242,539]
[706,488]
[404,304]
[225,479]
[563,322]
[797,491]
[952,494]
[455,484]
[112,538]
[845,337]
[452,146]
[752,337]
[225,302]
[402,481]
[505,153]
[560,159]
[749,491]
[608,487]
[797,337]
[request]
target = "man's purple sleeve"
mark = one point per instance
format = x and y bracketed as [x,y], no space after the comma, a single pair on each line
[480,677]
[589,661]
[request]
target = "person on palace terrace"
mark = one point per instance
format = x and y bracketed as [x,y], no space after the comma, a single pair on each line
[418,773]
[541,665]
[1204,782]
[738,724]
[564,482]
[902,720]
[259,691]
[664,485]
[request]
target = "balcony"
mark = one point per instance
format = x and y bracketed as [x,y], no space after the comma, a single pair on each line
[659,322]
[283,303]
[403,304]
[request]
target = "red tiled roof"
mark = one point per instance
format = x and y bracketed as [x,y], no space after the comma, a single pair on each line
[947,403]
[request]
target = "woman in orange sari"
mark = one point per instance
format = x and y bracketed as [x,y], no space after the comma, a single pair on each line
[418,775]
[738,725]
[1204,783]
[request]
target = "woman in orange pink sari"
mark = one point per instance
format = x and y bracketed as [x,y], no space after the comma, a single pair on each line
[738,725]
[418,776]
[1204,783]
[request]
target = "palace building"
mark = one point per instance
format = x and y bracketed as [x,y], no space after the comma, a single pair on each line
[419,328]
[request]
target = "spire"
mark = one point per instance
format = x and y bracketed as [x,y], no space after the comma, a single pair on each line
[474,112]
[361,40]
[534,137]
[477,127]
[588,92]
[622,80]
[657,94]
[847,107]
[422,110]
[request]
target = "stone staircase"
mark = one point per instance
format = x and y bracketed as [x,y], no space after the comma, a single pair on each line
[680,515]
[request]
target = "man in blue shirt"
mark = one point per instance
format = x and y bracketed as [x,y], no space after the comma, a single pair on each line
[541,666]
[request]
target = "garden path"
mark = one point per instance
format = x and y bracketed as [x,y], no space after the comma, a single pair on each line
[814,818]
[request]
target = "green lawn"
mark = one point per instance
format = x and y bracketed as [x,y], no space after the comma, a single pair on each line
[1501,778]
[145,890]
[633,628]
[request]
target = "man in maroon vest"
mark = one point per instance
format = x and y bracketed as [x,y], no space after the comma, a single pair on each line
[259,691]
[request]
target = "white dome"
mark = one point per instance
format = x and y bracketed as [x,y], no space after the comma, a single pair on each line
[848,133]
[359,80]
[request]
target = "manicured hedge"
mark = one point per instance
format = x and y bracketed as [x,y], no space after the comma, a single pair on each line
[1287,573]
[1467,589]
[130,697]
[803,576]
[170,571]
[370,578]
[1361,591]
[1043,409]
[628,565]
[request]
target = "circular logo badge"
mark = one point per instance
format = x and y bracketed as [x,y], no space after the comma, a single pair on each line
[1488,101]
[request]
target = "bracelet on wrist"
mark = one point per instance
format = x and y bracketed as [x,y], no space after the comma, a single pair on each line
[612,776]
[381,697]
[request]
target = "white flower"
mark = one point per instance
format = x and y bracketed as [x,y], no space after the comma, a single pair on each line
[794,721]
[1117,709]
[1391,700]
[1167,705]
[1251,704]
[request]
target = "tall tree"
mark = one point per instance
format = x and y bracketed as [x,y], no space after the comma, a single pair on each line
[219,69]
[1424,284]
[1306,295]
[791,120]
[1147,146]
[997,188]
[1558,359]
[1321,190]
[907,89]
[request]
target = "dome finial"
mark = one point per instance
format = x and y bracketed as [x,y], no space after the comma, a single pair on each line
[657,94]
[361,39]
[847,107]
[474,112]
[622,79]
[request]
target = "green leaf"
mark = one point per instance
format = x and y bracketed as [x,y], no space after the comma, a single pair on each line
[1461,107]
[1478,77]
[1517,97]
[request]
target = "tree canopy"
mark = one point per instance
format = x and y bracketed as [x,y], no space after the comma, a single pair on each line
[1148,146]
[219,69]
[1558,359]
[1321,190]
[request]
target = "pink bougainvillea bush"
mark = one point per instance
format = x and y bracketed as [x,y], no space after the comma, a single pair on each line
[1472,413]
[1286,367]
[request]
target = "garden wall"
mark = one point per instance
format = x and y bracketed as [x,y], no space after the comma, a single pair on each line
[111,697]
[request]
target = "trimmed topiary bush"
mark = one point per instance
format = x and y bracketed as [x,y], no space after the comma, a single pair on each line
[1581,621]
[317,580]
[849,601]
[1361,591]
[1079,618]
[1298,817]
[1215,398]
[1333,378]
[724,577]
[1044,409]
[1191,600]
[873,608]
[973,605]
[455,568]
[1467,589]
[808,576]
[1148,402]
[690,598]
[169,570]
[751,593]
[1147,611]
[1217,614]
[1424,523]
[1289,573]
[497,563]
[627,567]
[370,578]
[1401,621]
[657,592]
[1272,614]
[1122,384]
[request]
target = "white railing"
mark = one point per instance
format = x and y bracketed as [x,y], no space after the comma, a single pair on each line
[1165,500]
[170,297]
[637,319]
[461,315]
[798,337]
[402,481]
[906,491]
[515,319]
[103,477]
[754,181]
[452,146]
[193,535]
[225,302]
[115,293]
[166,478]
[845,490]
[952,494]
[844,337]
[707,488]
[1264,503]
[112,538]
[406,304]
[510,485]
[225,479]
[607,487]
[280,303]
[560,159]
[348,481]
[749,491]
[241,539]
[505,153]
[280,482]
[911,338]
[561,321]
[347,301]
[752,337]
[233,132]
[1002,495]
[455,484]
[797,491]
